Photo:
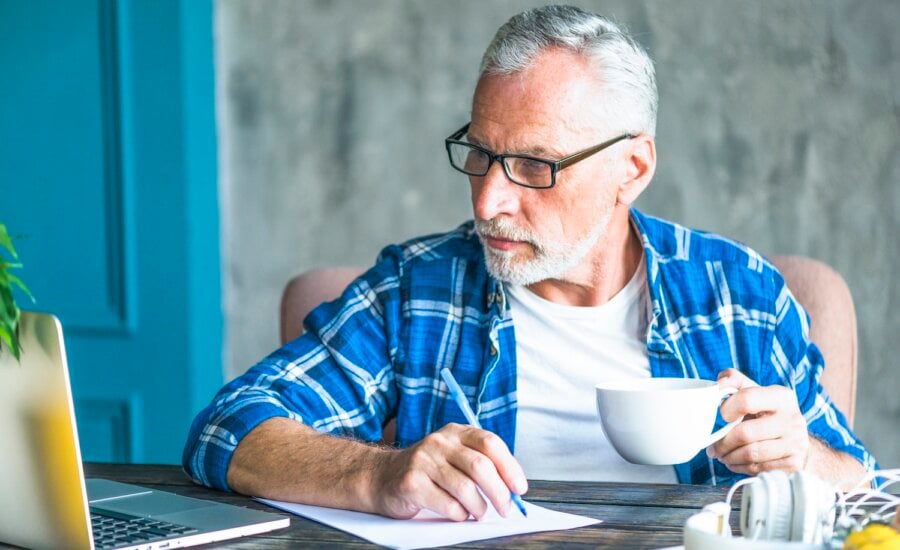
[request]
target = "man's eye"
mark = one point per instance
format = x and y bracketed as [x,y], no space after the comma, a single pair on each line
[476,160]
[529,166]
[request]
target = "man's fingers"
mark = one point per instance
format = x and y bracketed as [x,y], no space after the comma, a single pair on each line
[763,444]
[437,459]
[789,465]
[462,489]
[757,400]
[413,490]
[442,503]
[735,379]
[491,446]
[757,452]
[773,435]
[480,469]
[451,472]
[748,431]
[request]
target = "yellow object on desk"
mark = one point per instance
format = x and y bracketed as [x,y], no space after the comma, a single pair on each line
[875,536]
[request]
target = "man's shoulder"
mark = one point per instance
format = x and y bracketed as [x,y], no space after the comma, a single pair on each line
[702,275]
[673,243]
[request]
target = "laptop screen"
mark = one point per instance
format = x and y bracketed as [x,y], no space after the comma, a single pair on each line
[42,491]
[43,497]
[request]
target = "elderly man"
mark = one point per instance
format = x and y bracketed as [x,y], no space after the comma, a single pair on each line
[557,285]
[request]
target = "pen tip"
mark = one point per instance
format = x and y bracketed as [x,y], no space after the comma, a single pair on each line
[517,500]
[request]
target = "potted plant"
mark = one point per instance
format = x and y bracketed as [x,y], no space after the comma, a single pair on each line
[9,311]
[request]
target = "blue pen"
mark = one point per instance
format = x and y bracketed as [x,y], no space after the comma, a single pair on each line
[457,394]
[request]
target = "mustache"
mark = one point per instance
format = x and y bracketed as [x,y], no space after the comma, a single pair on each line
[502,228]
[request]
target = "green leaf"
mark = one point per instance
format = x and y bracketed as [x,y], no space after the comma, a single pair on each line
[9,317]
[8,320]
[8,323]
[7,304]
[18,282]
[6,242]
[11,342]
[9,312]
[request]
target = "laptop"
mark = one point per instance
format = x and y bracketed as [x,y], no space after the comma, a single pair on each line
[45,501]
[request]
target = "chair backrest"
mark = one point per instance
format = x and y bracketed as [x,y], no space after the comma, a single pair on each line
[825,296]
[818,288]
[306,291]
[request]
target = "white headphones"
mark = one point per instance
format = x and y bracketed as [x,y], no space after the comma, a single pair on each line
[796,508]
[796,511]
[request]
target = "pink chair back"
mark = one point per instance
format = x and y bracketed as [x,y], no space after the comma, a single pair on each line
[306,291]
[825,296]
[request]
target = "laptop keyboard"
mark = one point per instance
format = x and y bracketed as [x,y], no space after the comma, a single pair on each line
[114,529]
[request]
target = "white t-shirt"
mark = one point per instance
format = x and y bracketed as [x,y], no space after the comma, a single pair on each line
[562,352]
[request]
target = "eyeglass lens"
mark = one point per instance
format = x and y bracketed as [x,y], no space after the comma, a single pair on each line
[525,171]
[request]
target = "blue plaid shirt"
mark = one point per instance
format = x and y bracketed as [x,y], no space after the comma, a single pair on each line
[375,353]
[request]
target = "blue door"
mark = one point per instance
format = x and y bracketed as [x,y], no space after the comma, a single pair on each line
[108,170]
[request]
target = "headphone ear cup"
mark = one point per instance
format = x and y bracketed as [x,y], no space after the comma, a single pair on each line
[781,505]
[754,506]
[813,501]
[806,507]
[766,507]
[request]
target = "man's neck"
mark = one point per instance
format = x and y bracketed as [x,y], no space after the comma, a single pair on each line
[604,272]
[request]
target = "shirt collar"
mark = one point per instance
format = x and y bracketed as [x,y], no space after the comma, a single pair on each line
[658,316]
[654,257]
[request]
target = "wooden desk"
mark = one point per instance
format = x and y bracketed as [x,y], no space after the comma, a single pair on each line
[634,515]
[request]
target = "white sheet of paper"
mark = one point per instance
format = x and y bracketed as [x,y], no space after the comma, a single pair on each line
[428,530]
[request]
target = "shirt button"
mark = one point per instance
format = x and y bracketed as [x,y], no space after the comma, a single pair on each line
[493,350]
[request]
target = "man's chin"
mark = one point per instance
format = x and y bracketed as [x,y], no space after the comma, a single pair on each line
[506,268]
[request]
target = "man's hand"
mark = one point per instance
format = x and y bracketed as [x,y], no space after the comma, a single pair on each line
[444,473]
[773,435]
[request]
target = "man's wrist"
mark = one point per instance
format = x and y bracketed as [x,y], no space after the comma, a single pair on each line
[811,447]
[832,465]
[818,456]
[373,467]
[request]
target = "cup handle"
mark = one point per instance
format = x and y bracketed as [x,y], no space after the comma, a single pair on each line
[723,431]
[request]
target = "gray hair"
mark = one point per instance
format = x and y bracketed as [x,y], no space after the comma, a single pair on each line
[624,68]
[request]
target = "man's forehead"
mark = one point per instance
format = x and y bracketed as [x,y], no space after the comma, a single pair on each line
[542,104]
[541,135]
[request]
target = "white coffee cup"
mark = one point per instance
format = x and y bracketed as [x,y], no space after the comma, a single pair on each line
[661,420]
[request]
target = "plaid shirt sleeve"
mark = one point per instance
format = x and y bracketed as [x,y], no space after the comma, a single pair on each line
[336,378]
[797,363]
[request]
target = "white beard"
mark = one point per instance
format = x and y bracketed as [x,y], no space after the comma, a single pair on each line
[551,259]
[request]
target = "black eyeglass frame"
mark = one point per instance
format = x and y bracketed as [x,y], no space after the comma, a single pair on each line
[555,165]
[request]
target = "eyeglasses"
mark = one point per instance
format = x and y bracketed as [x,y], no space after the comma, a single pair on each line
[524,170]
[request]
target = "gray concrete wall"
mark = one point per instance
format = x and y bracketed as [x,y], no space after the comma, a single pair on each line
[778,126]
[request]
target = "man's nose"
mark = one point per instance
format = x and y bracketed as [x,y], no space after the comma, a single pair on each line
[494,194]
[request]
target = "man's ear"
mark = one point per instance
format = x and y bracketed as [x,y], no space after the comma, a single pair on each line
[640,165]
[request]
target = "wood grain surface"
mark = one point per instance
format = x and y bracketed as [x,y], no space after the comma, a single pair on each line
[634,515]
